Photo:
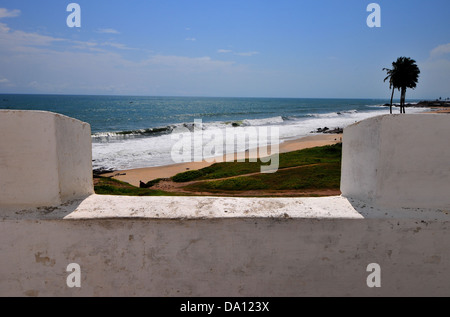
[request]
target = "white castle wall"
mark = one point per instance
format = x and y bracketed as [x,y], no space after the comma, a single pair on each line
[45,159]
[398,161]
[205,246]
[225,257]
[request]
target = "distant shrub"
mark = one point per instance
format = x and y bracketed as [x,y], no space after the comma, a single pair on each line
[187,176]
[151,183]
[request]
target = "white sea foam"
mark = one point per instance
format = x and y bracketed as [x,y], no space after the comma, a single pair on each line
[265,121]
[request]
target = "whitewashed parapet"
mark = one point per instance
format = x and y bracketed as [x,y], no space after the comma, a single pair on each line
[398,161]
[45,159]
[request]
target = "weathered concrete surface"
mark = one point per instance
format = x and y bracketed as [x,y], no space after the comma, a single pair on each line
[205,246]
[120,207]
[224,257]
[45,159]
[398,161]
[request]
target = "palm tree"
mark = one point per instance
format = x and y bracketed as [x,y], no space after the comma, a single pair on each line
[390,73]
[404,74]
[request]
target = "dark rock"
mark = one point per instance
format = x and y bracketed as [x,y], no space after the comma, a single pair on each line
[329,131]
[142,184]
[322,130]
[335,131]
[100,171]
[435,103]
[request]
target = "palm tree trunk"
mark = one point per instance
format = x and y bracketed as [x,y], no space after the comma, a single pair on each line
[403,97]
[401,100]
[392,97]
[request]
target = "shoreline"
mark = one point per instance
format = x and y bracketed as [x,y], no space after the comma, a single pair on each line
[439,110]
[146,174]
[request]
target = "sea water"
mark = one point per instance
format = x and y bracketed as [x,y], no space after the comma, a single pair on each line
[134,132]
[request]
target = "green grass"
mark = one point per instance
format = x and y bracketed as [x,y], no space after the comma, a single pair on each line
[309,169]
[317,155]
[153,182]
[109,186]
[322,176]
[218,170]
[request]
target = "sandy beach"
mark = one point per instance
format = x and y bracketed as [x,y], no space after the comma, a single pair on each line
[134,176]
[440,110]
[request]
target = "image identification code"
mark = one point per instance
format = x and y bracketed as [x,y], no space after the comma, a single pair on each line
[227,307]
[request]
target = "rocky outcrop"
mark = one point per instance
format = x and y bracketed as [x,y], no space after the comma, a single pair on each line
[329,131]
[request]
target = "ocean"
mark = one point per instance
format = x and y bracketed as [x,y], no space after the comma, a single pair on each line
[134,132]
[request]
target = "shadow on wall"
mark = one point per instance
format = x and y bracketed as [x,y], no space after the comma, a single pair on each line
[42,213]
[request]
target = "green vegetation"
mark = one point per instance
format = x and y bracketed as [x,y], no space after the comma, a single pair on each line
[109,186]
[188,176]
[218,170]
[317,155]
[153,183]
[304,172]
[312,177]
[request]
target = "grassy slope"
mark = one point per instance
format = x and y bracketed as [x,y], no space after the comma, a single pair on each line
[317,155]
[109,186]
[322,176]
[309,169]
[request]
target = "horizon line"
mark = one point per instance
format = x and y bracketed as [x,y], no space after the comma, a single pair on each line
[205,96]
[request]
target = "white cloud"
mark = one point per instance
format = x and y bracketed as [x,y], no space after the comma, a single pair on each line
[20,40]
[197,64]
[5,82]
[193,39]
[52,65]
[247,54]
[117,45]
[440,50]
[86,44]
[16,40]
[434,78]
[108,31]
[5,13]
[4,28]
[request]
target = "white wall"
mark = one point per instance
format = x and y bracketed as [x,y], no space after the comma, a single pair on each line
[45,159]
[74,148]
[224,257]
[398,161]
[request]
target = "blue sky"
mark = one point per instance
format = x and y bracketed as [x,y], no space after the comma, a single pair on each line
[248,48]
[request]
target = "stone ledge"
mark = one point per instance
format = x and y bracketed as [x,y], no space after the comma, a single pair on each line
[186,208]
